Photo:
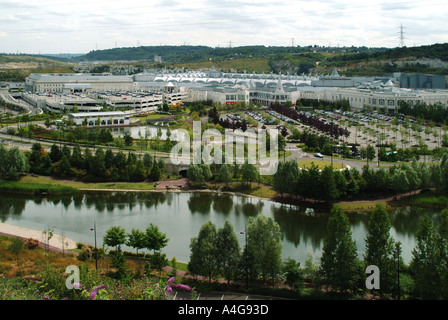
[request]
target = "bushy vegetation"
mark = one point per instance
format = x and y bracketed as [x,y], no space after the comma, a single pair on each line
[88,166]
[331,185]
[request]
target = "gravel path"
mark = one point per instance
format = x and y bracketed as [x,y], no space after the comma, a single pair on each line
[57,242]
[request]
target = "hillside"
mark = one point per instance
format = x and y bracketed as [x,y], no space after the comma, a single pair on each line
[18,67]
[349,61]
[431,59]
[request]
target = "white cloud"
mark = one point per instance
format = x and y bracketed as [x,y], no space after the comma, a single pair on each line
[82,25]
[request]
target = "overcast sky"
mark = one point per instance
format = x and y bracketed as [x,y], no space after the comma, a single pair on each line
[80,26]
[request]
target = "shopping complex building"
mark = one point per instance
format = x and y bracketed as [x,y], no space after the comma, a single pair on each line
[145,92]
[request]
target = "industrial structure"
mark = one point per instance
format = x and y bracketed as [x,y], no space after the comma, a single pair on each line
[146,92]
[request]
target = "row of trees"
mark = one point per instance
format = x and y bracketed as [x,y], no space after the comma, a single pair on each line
[436,113]
[152,239]
[214,117]
[329,184]
[217,251]
[101,165]
[225,173]
[342,270]
[332,129]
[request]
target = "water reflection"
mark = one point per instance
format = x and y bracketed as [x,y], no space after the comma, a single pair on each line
[181,215]
[149,131]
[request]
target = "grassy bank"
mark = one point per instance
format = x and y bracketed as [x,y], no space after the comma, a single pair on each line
[428,198]
[34,188]
[76,186]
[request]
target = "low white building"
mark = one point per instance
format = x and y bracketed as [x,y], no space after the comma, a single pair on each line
[100,119]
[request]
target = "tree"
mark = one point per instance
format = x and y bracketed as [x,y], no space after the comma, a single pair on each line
[115,237]
[399,181]
[195,174]
[443,252]
[328,187]
[155,239]
[293,274]
[76,160]
[147,161]
[264,242]
[229,251]
[64,166]
[108,159]
[55,153]
[225,174]
[16,163]
[249,173]
[137,172]
[380,247]
[128,140]
[97,167]
[203,251]
[370,153]
[154,174]
[136,239]
[424,264]
[339,263]
[279,178]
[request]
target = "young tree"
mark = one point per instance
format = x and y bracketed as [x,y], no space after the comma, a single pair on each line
[16,164]
[293,274]
[206,172]
[154,174]
[55,153]
[249,173]
[136,239]
[225,174]
[115,237]
[229,251]
[128,140]
[147,161]
[399,181]
[195,174]
[370,153]
[339,263]
[424,265]
[203,251]
[76,160]
[155,239]
[380,247]
[264,242]
[328,189]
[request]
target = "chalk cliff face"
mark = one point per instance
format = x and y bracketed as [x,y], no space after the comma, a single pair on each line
[430,63]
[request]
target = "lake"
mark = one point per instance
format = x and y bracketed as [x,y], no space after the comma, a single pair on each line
[181,215]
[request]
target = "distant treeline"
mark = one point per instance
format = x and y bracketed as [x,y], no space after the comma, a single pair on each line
[435,51]
[181,54]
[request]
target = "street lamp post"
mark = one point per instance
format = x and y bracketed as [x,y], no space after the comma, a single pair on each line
[96,251]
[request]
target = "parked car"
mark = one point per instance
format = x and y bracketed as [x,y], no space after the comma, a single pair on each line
[318,155]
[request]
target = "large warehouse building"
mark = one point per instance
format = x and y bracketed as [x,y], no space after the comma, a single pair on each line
[117,92]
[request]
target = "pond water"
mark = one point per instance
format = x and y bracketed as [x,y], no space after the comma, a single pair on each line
[181,215]
[150,131]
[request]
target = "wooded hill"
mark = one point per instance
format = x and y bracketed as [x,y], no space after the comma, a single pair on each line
[349,61]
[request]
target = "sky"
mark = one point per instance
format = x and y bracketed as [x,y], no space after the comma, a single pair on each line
[81,26]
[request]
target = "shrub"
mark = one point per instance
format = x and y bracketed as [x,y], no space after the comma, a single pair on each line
[31,243]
